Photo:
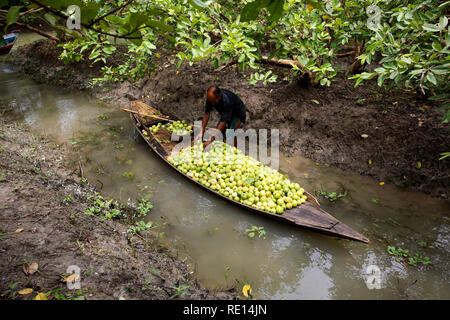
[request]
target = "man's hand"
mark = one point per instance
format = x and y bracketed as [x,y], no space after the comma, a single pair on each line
[199,137]
[207,143]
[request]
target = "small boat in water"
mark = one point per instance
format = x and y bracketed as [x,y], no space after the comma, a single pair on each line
[309,215]
[7,41]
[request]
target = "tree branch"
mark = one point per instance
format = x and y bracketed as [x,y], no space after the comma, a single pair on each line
[26,12]
[44,34]
[281,62]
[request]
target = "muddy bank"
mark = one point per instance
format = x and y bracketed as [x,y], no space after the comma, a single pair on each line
[405,134]
[43,221]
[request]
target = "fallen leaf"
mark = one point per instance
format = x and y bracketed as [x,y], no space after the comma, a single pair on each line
[19,230]
[426,106]
[381,183]
[72,278]
[122,298]
[247,290]
[25,291]
[32,268]
[315,101]
[40,296]
[364,136]
[370,161]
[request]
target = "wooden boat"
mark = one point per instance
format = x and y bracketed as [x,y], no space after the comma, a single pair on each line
[8,41]
[308,215]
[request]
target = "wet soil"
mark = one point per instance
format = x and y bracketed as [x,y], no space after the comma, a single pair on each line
[38,224]
[405,136]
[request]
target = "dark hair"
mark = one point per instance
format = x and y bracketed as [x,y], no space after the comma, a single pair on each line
[217,92]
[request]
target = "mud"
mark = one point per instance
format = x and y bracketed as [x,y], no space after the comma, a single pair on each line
[405,134]
[38,224]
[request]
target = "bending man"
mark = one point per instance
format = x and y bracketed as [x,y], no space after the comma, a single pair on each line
[230,108]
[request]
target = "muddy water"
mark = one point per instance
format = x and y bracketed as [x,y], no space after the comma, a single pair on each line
[289,263]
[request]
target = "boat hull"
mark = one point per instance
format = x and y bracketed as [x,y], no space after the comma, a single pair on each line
[309,215]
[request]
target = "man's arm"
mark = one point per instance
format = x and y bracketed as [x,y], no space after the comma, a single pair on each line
[205,120]
[220,127]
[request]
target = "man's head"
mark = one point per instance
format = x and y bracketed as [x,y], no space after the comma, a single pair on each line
[214,95]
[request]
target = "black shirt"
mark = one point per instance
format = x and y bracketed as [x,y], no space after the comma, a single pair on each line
[229,107]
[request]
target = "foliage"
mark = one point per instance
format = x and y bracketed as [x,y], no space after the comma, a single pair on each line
[12,291]
[139,227]
[78,295]
[404,254]
[254,230]
[107,209]
[331,196]
[398,43]
[264,77]
[143,208]
[444,155]
[68,199]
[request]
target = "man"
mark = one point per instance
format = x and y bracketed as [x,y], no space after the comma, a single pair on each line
[230,108]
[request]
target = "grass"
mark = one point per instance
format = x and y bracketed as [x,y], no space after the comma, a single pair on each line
[180,291]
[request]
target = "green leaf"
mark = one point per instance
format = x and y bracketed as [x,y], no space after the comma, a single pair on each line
[437,46]
[380,80]
[439,96]
[50,18]
[109,49]
[201,5]
[431,27]
[446,118]
[367,75]
[431,78]
[13,15]
[443,21]
[276,10]
[159,25]
[252,9]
